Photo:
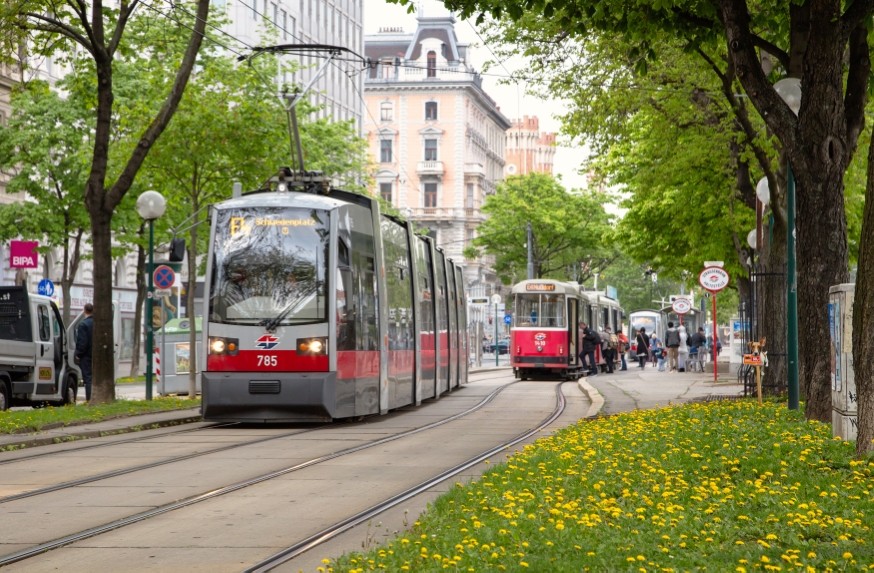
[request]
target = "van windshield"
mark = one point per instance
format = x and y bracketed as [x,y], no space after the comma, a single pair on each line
[267,262]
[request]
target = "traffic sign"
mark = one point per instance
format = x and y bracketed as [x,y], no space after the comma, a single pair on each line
[714,279]
[164,277]
[159,292]
[508,319]
[681,305]
[482,300]
[46,287]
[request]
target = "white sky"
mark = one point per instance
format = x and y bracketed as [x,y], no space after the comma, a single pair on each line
[514,103]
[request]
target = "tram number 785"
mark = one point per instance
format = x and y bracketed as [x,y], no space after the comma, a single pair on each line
[267,360]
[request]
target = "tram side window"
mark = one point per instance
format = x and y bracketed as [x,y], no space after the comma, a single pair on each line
[552,310]
[346,314]
[604,320]
[368,305]
[527,310]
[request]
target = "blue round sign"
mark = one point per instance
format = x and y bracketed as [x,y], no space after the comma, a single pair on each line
[46,287]
[508,319]
[164,277]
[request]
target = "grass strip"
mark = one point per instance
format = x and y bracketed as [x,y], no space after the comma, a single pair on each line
[723,486]
[19,421]
[131,380]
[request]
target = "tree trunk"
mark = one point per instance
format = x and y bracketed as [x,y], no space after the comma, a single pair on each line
[192,284]
[771,303]
[67,283]
[103,342]
[141,300]
[863,320]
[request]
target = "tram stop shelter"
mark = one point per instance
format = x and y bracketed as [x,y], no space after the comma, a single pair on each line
[174,347]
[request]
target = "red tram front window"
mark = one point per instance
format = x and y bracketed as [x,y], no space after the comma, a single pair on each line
[540,310]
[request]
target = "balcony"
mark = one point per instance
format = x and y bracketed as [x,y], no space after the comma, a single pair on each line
[474,169]
[430,168]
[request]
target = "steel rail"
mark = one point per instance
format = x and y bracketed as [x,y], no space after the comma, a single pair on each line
[362,517]
[174,432]
[181,458]
[117,524]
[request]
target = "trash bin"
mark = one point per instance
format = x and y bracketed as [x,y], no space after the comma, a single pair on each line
[174,347]
[843,380]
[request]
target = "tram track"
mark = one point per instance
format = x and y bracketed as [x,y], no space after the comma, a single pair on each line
[362,517]
[117,524]
[189,430]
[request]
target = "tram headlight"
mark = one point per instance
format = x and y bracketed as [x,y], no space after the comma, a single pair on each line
[312,346]
[223,346]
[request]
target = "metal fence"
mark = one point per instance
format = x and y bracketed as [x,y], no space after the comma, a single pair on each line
[762,312]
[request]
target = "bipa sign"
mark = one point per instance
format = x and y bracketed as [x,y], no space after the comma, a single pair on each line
[23,255]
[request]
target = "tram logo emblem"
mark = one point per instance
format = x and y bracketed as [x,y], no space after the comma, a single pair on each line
[267,342]
[540,336]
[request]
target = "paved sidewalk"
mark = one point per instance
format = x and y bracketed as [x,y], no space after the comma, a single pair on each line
[97,429]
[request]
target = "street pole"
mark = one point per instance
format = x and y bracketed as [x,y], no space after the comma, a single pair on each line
[791,295]
[497,346]
[530,253]
[148,321]
[714,339]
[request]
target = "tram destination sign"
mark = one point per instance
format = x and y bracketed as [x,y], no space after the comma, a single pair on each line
[714,279]
[540,287]
[481,300]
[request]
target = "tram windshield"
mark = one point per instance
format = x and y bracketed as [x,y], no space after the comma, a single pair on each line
[269,265]
[540,310]
[642,321]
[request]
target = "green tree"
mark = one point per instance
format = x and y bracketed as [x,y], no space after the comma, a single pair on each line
[43,145]
[569,228]
[809,40]
[99,32]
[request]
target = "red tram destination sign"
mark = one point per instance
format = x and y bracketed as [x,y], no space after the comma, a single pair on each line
[714,279]
[539,287]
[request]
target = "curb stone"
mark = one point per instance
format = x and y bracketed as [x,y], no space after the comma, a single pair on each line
[594,397]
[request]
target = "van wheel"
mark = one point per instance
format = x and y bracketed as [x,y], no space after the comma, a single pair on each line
[5,396]
[70,389]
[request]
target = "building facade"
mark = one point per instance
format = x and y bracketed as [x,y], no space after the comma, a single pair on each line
[437,137]
[332,22]
[528,149]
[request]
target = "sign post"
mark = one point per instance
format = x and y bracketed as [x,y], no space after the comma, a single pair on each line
[755,359]
[681,306]
[496,300]
[714,279]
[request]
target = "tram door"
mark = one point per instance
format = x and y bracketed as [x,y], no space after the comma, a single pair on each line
[573,306]
[452,304]
[442,326]
[426,319]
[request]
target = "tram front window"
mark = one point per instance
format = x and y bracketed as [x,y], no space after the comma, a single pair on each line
[269,265]
[543,310]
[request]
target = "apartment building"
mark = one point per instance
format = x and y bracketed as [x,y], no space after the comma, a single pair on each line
[528,149]
[436,135]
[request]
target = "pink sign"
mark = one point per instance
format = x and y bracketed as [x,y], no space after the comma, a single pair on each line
[23,255]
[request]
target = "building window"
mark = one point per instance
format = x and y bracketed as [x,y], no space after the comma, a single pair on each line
[386,111]
[470,195]
[431,110]
[385,151]
[432,65]
[430,195]
[430,150]
[387,69]
[385,192]
[275,14]
[254,10]
[469,237]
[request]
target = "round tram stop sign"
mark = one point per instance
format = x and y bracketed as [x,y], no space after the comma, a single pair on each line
[681,305]
[714,279]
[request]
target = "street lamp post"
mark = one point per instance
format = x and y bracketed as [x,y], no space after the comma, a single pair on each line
[150,206]
[790,90]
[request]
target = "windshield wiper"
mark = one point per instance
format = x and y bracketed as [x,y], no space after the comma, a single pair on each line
[272,323]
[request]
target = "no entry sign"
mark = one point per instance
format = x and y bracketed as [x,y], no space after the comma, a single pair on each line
[714,279]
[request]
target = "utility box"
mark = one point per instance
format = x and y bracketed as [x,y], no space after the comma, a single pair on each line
[843,379]
[174,348]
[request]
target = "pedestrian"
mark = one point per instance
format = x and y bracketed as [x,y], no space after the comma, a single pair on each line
[623,348]
[672,343]
[698,349]
[653,344]
[84,340]
[642,347]
[683,349]
[609,347]
[661,355]
[590,342]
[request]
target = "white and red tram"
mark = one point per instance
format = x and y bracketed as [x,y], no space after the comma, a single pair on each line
[321,307]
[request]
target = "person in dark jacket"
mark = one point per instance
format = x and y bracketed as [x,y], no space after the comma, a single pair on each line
[672,343]
[642,347]
[590,342]
[84,338]
[698,349]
